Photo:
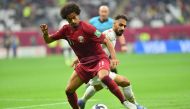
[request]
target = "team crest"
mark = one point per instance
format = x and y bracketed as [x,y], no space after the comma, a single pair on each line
[81,39]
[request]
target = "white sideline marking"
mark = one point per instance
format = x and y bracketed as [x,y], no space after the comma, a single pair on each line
[29,99]
[42,105]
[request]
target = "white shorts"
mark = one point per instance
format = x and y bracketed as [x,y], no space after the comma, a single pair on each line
[97,81]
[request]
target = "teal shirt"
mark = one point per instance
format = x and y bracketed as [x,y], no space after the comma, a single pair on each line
[101,26]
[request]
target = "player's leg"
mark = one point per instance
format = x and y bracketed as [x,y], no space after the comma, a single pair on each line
[127,89]
[94,85]
[89,93]
[74,83]
[120,80]
[113,87]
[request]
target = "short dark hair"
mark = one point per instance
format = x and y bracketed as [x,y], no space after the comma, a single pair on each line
[121,17]
[68,9]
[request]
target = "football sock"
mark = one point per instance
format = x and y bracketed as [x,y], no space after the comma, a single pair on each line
[72,98]
[113,88]
[129,105]
[90,91]
[129,94]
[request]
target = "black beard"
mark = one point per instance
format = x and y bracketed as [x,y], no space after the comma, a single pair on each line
[118,33]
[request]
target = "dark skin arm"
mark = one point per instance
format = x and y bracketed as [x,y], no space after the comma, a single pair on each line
[114,60]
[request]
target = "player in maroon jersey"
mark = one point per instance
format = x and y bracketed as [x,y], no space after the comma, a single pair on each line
[86,42]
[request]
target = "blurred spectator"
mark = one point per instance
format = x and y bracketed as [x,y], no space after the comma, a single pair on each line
[157,13]
[24,14]
[7,42]
[33,41]
[143,37]
[15,44]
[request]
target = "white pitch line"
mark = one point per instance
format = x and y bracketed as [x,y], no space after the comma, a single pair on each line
[29,99]
[42,105]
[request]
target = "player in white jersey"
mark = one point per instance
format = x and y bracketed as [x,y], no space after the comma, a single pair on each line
[68,53]
[95,84]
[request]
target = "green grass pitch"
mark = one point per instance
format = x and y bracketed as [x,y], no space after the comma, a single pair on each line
[159,82]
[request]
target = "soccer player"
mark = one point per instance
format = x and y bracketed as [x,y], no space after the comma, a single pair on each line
[86,42]
[95,84]
[103,22]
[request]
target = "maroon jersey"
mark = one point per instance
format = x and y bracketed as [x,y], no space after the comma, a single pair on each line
[85,41]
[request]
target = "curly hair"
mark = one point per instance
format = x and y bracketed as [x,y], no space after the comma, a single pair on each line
[121,17]
[68,9]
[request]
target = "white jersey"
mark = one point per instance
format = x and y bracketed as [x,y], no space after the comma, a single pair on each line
[111,35]
[64,43]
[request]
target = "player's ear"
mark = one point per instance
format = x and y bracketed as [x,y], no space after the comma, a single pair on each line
[115,23]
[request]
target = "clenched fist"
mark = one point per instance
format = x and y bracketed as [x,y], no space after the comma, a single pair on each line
[44,28]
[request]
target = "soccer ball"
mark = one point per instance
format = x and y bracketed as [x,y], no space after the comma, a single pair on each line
[99,106]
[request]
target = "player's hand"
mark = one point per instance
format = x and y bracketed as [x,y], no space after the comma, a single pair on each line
[114,63]
[44,28]
[75,63]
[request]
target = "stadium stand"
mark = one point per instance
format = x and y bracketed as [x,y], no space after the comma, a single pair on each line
[161,19]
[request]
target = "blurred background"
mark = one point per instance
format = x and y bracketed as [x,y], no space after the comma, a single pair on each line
[150,20]
[157,60]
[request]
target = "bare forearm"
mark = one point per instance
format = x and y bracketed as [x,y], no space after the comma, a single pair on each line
[47,38]
[110,48]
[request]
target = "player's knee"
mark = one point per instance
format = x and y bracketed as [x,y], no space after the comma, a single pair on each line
[124,82]
[102,74]
[69,90]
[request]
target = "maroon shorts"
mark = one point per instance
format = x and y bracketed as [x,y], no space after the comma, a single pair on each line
[87,72]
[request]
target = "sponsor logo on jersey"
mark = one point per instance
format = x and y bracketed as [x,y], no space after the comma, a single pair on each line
[97,33]
[81,39]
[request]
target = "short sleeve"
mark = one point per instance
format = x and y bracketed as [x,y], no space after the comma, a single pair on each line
[93,33]
[60,34]
[91,21]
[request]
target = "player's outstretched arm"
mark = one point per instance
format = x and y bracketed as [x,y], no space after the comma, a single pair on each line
[44,29]
[114,60]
